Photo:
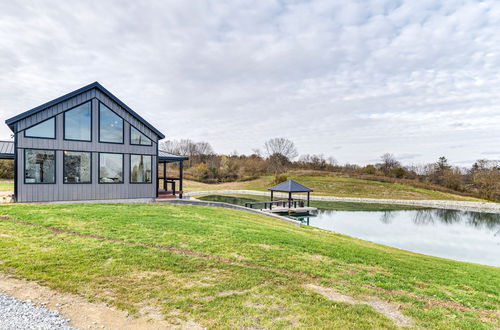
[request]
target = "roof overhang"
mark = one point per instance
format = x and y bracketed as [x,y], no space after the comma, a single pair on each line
[6,150]
[164,156]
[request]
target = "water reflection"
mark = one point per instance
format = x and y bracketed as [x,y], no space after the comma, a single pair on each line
[460,235]
[431,216]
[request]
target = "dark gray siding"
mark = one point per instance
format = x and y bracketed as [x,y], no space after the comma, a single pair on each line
[62,192]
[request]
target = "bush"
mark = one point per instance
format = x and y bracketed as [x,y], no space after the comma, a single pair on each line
[369,169]
[279,178]
[6,169]
[200,171]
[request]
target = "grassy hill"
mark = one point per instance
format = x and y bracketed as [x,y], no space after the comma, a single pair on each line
[337,186]
[229,269]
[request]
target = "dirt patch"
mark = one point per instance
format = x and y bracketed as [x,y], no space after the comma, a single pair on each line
[83,314]
[380,306]
[316,257]
[225,294]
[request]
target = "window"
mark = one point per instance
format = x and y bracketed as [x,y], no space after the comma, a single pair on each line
[137,137]
[77,167]
[110,125]
[110,168]
[39,166]
[77,123]
[46,129]
[140,169]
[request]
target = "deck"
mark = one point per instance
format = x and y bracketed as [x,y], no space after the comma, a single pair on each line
[292,210]
[283,206]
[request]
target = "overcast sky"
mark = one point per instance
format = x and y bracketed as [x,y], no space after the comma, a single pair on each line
[348,79]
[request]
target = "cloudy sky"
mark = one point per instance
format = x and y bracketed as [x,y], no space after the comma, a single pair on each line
[349,79]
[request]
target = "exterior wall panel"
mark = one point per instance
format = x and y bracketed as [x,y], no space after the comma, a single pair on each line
[93,191]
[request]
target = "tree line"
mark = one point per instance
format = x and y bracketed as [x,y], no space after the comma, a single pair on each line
[279,155]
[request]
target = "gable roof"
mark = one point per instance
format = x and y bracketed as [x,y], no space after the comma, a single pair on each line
[11,121]
[290,186]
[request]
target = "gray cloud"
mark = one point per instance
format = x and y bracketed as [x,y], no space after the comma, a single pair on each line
[409,77]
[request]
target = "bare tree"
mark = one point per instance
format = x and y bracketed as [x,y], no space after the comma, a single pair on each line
[281,146]
[389,163]
[198,152]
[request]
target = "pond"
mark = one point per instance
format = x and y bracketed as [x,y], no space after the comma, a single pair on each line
[457,235]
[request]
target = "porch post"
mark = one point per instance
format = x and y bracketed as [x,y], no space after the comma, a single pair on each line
[271,195]
[181,167]
[308,198]
[165,176]
[289,199]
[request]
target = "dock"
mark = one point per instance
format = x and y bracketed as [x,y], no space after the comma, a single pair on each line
[283,207]
[292,210]
[289,206]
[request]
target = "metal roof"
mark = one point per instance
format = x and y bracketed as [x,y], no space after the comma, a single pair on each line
[7,149]
[11,121]
[166,156]
[290,186]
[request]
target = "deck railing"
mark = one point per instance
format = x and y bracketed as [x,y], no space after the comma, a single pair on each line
[280,203]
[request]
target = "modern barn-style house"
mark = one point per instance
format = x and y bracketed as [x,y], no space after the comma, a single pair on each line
[87,145]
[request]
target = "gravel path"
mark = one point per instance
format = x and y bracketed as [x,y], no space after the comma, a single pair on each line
[18,314]
[441,204]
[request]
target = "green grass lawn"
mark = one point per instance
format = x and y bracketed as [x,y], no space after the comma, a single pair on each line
[7,186]
[337,186]
[228,269]
[338,206]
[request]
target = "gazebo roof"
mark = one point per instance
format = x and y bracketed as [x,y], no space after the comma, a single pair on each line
[290,186]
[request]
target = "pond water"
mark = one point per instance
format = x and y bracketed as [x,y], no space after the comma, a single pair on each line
[457,235]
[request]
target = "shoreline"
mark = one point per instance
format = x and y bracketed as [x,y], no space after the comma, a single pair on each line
[489,207]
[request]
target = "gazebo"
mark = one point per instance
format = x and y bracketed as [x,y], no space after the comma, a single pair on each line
[290,187]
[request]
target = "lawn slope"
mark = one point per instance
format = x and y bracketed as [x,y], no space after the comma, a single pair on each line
[226,268]
[337,186]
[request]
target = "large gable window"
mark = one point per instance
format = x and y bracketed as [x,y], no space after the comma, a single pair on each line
[39,166]
[136,137]
[45,129]
[78,123]
[140,169]
[110,125]
[110,168]
[77,167]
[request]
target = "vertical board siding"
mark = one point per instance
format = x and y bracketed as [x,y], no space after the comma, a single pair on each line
[94,191]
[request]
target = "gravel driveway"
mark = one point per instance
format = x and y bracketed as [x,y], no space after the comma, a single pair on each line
[18,314]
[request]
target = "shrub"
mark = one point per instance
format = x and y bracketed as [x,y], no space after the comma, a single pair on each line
[279,178]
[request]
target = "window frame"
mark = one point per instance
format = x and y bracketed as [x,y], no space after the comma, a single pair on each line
[99,167]
[130,169]
[64,167]
[91,122]
[99,124]
[38,137]
[137,144]
[55,166]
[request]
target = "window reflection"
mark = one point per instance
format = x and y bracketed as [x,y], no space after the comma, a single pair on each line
[45,129]
[77,123]
[110,125]
[110,168]
[77,167]
[39,166]
[140,168]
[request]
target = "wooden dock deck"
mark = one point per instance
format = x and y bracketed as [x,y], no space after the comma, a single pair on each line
[283,206]
[292,210]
